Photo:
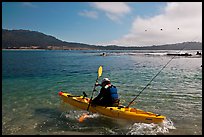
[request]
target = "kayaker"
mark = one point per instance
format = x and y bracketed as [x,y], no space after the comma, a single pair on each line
[108,95]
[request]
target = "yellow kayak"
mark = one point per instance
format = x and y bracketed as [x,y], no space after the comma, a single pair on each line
[115,112]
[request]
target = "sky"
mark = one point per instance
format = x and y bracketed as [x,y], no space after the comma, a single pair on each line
[108,23]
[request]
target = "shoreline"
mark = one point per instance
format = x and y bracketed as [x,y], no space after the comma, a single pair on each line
[104,49]
[23,49]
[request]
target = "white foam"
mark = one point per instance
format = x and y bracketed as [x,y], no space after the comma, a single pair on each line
[151,129]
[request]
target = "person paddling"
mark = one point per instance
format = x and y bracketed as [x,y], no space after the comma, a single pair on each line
[108,95]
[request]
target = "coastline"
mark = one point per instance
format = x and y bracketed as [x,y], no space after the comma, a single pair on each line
[22,49]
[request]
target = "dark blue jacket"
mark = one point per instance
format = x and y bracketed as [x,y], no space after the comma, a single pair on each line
[107,96]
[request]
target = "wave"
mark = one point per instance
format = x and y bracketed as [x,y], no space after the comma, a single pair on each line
[151,129]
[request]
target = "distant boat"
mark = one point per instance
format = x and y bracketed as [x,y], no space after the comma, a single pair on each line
[103,54]
[198,53]
[179,54]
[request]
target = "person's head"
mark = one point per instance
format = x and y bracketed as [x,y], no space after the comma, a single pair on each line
[105,82]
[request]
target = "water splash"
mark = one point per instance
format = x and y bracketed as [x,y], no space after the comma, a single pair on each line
[99,125]
[151,129]
[75,115]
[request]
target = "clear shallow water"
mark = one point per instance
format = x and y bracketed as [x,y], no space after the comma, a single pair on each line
[31,81]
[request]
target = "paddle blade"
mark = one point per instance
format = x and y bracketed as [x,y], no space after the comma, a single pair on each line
[83,117]
[100,69]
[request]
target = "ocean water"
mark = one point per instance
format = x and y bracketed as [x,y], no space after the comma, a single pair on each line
[31,80]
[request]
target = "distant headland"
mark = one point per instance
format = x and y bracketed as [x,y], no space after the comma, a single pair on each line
[26,39]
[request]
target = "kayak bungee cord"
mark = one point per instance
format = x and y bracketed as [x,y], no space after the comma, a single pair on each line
[155,76]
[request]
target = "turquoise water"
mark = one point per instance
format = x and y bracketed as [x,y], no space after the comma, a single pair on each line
[31,81]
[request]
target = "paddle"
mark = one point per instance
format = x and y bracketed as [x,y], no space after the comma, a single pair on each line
[85,115]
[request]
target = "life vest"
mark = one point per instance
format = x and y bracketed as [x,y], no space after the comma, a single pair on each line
[109,96]
[113,92]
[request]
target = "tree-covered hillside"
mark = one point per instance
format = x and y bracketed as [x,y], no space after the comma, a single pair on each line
[26,39]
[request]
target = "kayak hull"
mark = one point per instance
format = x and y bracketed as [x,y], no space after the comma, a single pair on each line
[121,112]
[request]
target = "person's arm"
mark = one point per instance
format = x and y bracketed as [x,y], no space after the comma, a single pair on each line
[97,84]
[100,95]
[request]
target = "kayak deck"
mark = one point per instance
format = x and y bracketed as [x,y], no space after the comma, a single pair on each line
[115,112]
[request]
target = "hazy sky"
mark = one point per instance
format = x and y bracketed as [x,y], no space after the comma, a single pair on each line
[104,23]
